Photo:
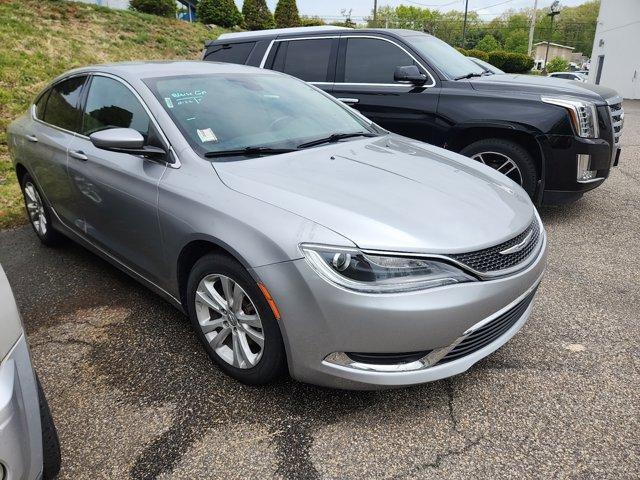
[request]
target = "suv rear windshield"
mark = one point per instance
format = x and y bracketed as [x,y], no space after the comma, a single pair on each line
[221,112]
[230,52]
[443,56]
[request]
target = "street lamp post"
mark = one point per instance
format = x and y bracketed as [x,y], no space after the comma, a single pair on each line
[553,11]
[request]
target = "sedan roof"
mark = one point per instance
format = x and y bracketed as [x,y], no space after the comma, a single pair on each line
[151,69]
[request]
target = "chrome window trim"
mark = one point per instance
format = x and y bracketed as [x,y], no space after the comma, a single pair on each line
[293,39]
[90,73]
[374,37]
[49,87]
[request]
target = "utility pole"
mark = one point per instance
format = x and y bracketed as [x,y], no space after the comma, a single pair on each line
[533,25]
[375,13]
[553,11]
[464,25]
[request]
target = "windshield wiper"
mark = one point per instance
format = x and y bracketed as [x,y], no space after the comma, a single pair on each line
[469,75]
[249,151]
[335,138]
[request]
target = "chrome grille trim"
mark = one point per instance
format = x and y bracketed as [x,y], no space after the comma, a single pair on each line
[493,261]
[537,246]
[616,113]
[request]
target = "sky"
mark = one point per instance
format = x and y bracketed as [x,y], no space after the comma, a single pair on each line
[361,8]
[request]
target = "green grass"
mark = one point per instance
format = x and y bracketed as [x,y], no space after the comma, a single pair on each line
[39,39]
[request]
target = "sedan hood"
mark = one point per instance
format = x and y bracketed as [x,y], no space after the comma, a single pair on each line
[389,193]
[543,85]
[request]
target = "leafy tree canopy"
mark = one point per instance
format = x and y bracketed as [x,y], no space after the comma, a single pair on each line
[257,15]
[557,64]
[223,13]
[163,8]
[488,44]
[286,14]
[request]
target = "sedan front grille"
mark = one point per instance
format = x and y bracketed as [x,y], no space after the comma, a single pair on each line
[490,332]
[495,259]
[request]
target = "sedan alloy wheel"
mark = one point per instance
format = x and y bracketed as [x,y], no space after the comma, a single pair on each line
[229,321]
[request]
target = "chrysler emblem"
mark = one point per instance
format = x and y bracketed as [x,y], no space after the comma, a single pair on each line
[518,246]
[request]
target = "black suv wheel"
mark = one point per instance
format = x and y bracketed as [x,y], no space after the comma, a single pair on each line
[508,158]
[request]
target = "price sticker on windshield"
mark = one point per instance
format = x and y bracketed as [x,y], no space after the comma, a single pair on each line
[207,135]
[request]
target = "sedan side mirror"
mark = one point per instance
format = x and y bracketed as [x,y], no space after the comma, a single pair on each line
[409,74]
[125,140]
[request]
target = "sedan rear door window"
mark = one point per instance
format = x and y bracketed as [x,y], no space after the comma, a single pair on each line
[62,109]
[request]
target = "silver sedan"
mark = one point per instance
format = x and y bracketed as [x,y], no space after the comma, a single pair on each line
[294,232]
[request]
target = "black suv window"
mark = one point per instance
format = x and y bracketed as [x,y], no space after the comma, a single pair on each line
[230,53]
[62,109]
[305,59]
[110,104]
[369,60]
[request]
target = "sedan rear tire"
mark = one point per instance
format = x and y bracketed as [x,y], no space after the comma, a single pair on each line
[39,213]
[234,322]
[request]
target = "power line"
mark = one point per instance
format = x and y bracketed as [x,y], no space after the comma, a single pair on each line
[491,6]
[433,5]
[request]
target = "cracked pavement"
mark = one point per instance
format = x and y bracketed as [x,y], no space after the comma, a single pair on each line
[134,395]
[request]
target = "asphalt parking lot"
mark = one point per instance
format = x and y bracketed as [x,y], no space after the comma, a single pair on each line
[134,395]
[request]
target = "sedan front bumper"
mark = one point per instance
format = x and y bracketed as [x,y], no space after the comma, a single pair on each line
[321,321]
[20,431]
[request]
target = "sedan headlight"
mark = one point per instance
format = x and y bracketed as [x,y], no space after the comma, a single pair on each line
[584,115]
[355,270]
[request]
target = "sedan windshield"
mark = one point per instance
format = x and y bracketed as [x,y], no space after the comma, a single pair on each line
[443,56]
[234,115]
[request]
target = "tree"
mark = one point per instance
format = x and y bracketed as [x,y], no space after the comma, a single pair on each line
[311,21]
[257,15]
[557,64]
[286,14]
[163,8]
[517,41]
[488,44]
[223,13]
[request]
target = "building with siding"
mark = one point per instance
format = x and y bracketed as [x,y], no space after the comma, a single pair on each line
[615,59]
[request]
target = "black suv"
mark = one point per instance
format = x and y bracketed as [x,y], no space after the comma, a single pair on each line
[556,138]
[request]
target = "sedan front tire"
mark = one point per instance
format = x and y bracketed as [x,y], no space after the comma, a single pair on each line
[234,321]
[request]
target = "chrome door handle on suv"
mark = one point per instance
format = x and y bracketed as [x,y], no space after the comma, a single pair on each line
[78,155]
[349,101]
[32,138]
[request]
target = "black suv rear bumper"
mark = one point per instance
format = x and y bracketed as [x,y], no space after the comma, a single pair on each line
[561,166]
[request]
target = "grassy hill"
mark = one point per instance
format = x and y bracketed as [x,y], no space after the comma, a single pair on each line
[40,39]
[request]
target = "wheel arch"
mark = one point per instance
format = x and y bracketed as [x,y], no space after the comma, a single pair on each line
[21,171]
[196,248]
[466,134]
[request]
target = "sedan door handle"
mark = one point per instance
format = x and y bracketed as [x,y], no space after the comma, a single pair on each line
[78,155]
[32,138]
[349,101]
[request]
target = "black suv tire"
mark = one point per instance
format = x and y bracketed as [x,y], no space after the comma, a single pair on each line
[513,151]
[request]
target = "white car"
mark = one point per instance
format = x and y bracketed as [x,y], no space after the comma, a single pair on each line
[29,446]
[579,77]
